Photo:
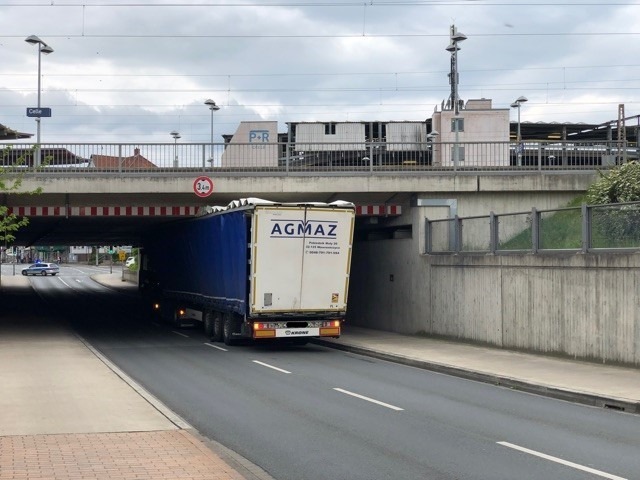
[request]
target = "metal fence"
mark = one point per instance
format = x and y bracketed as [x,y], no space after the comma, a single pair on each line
[588,228]
[295,158]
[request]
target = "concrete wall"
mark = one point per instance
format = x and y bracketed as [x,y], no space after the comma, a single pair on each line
[583,306]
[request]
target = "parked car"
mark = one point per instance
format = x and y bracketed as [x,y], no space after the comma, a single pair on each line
[130,261]
[41,269]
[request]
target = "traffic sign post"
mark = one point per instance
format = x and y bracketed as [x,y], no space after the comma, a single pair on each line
[203,186]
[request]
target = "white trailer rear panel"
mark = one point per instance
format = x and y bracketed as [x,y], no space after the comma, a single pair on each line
[300,259]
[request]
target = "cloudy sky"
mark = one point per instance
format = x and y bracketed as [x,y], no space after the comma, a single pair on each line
[132,71]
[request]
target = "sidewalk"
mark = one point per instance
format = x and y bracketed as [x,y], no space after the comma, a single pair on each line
[606,386]
[68,413]
[576,381]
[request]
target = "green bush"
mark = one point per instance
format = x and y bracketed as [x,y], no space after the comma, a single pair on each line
[620,185]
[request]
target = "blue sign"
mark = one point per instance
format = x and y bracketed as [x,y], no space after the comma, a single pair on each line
[38,112]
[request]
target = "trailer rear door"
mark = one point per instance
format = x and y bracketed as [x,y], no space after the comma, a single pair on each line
[301,257]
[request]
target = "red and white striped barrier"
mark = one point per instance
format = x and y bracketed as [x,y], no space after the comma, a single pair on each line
[129,211]
[378,210]
[167,211]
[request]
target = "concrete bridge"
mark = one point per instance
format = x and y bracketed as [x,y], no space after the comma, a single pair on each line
[107,208]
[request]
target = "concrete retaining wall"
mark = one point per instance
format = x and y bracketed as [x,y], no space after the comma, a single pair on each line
[583,306]
[129,276]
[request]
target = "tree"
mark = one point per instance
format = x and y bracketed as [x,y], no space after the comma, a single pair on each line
[11,182]
[619,225]
[619,185]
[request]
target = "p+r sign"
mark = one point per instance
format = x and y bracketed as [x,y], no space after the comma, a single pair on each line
[203,186]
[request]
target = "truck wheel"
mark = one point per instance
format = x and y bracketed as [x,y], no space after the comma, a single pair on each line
[208,325]
[227,329]
[217,327]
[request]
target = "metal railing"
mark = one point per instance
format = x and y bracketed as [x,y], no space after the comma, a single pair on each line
[588,228]
[295,158]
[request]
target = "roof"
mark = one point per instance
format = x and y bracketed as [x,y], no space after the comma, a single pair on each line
[7,133]
[253,202]
[50,156]
[542,131]
[110,162]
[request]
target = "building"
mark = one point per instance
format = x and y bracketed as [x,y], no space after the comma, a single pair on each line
[110,162]
[475,125]
[7,133]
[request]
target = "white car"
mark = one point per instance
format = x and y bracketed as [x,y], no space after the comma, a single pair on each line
[41,269]
[130,261]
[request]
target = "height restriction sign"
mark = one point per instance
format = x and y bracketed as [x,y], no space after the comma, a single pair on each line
[203,186]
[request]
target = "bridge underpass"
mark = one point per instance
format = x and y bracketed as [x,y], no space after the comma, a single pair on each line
[115,210]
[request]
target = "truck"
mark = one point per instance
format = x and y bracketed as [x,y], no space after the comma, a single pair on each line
[254,270]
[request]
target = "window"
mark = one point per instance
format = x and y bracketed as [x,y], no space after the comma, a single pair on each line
[330,128]
[460,122]
[460,153]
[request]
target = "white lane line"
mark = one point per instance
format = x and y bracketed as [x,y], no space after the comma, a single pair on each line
[372,400]
[64,283]
[216,346]
[561,461]
[271,366]
[181,334]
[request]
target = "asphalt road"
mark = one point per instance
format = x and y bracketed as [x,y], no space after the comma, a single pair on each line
[315,413]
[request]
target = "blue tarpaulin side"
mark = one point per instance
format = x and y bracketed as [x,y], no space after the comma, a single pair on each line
[202,260]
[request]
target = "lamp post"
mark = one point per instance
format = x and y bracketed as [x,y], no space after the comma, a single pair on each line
[176,136]
[431,137]
[455,37]
[214,108]
[46,49]
[516,104]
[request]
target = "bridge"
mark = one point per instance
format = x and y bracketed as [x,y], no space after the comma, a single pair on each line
[112,197]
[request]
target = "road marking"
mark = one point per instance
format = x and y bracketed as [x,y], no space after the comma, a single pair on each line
[271,366]
[562,462]
[362,397]
[64,283]
[181,334]
[216,346]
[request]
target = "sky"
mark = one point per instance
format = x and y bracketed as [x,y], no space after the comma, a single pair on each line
[132,71]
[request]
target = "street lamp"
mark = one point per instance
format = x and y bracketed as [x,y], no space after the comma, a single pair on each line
[214,108]
[176,136]
[46,49]
[455,37]
[516,104]
[431,137]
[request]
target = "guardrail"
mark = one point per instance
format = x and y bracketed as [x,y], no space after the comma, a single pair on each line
[296,158]
[588,228]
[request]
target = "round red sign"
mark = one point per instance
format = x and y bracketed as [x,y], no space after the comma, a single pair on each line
[203,186]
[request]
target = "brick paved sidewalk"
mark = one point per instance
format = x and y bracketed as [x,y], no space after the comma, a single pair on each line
[167,455]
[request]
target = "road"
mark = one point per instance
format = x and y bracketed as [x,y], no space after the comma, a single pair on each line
[316,413]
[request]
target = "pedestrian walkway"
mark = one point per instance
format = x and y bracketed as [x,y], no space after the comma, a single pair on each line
[607,386]
[68,413]
[578,381]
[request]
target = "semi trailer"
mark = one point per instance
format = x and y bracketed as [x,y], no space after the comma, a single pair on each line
[254,270]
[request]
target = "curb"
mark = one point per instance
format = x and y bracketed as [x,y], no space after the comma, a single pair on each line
[558,393]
